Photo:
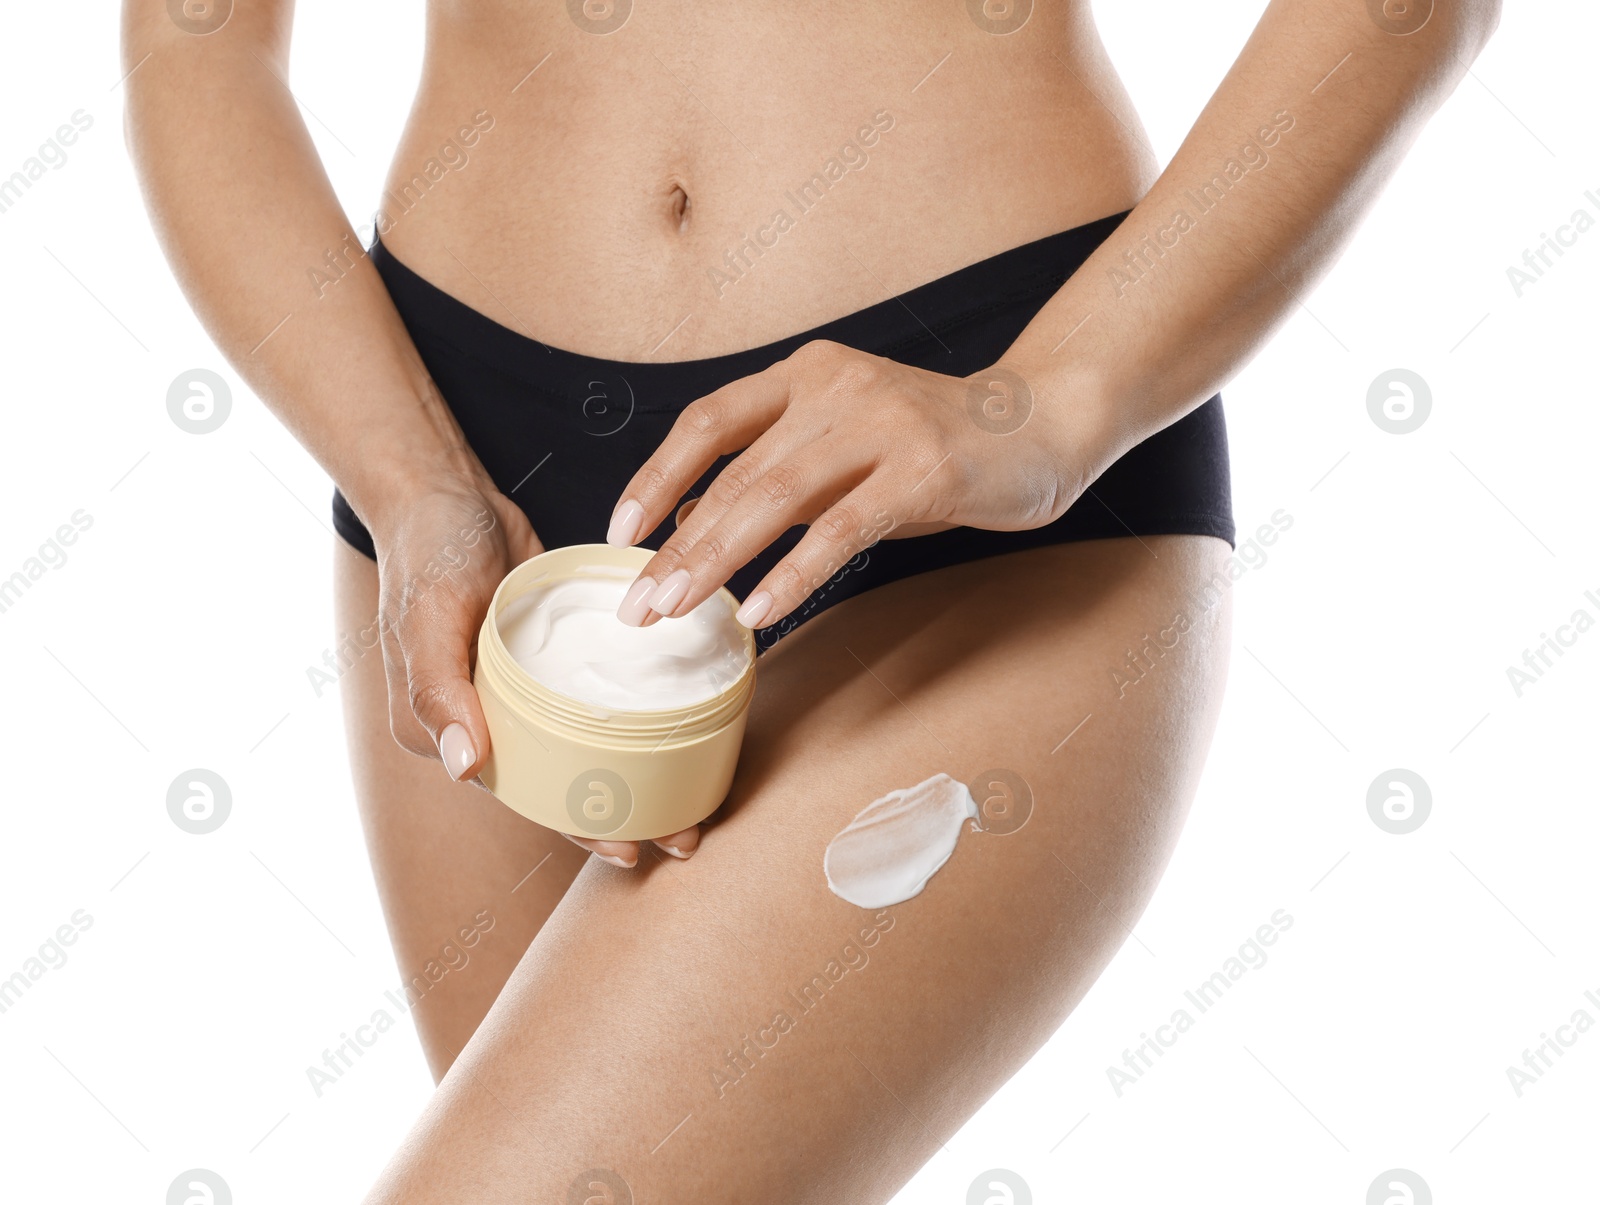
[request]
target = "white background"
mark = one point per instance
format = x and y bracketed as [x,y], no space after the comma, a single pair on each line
[1377,635]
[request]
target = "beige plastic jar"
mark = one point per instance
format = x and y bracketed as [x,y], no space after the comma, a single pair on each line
[602,774]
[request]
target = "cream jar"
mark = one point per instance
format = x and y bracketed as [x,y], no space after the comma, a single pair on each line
[588,750]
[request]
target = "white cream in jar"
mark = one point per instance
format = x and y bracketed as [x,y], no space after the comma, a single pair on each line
[566,635]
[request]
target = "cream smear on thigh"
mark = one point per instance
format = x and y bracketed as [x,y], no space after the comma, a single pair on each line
[892,848]
[567,636]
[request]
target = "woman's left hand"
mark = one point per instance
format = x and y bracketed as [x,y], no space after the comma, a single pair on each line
[856,446]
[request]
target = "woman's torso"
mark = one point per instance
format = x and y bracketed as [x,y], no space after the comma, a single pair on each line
[716,176]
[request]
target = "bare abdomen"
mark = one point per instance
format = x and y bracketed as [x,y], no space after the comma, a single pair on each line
[695,183]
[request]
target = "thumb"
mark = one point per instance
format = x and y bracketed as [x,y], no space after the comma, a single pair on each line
[446,704]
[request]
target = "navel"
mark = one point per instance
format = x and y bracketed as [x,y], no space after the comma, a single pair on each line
[679,204]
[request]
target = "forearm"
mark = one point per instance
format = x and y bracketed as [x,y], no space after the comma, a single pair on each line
[1213,259]
[245,213]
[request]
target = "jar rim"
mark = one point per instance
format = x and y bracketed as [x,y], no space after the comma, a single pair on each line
[567,562]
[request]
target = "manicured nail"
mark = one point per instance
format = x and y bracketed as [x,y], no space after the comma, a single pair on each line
[754,610]
[670,592]
[624,529]
[674,851]
[456,751]
[634,605]
[615,861]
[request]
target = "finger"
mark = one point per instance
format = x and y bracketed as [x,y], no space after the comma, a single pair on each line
[619,853]
[402,724]
[770,448]
[797,490]
[437,647]
[723,421]
[699,516]
[731,484]
[407,730]
[681,845]
[854,522]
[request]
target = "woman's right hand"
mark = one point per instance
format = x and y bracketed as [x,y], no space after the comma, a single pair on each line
[442,553]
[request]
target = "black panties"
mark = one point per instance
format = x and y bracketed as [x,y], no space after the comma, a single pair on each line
[562,434]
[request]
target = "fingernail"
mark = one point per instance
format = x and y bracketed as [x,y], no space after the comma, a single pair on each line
[615,861]
[754,610]
[670,592]
[634,607]
[456,751]
[674,851]
[624,529]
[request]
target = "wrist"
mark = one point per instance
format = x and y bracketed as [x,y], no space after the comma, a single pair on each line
[383,496]
[422,453]
[1064,410]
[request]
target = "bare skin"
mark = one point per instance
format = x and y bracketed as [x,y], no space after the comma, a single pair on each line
[615,1025]
[607,180]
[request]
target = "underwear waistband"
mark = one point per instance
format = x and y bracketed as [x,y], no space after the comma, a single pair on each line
[885,328]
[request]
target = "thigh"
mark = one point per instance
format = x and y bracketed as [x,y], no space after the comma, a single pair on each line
[728,1029]
[465,881]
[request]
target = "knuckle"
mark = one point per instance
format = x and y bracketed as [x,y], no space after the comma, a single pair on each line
[781,483]
[855,373]
[701,419]
[733,482]
[716,548]
[904,406]
[427,694]
[652,478]
[838,524]
[816,353]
